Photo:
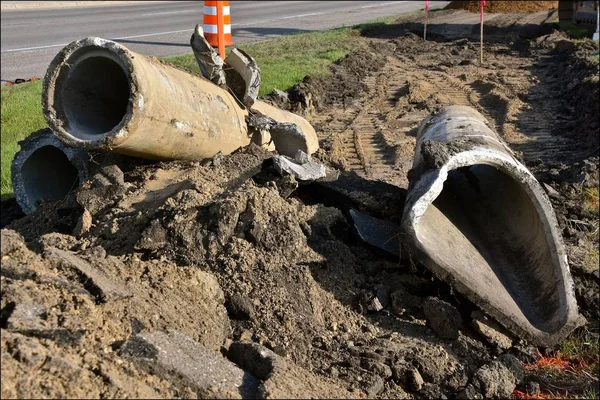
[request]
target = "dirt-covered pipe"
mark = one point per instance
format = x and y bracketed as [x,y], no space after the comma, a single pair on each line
[480,220]
[45,168]
[99,95]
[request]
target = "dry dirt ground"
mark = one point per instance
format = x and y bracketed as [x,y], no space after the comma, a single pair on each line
[162,280]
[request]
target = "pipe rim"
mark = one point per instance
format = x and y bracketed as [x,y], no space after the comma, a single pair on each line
[35,142]
[73,53]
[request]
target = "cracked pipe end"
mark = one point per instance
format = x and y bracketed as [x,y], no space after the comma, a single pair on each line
[479,219]
[89,92]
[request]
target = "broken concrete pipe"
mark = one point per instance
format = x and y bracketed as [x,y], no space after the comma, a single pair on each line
[99,95]
[45,168]
[480,220]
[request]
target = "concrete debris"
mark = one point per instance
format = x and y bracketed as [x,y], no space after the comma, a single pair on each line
[178,358]
[511,261]
[551,191]
[209,61]
[308,171]
[377,232]
[289,138]
[443,318]
[490,330]
[108,289]
[27,316]
[243,67]
[281,95]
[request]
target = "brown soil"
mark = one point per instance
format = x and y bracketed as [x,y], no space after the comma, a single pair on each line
[504,6]
[219,250]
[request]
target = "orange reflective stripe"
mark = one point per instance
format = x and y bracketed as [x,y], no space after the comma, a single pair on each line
[210,3]
[212,19]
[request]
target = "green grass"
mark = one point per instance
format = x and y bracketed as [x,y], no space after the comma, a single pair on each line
[574,30]
[283,61]
[286,60]
[21,115]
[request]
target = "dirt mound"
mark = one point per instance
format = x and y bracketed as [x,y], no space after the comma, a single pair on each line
[132,286]
[504,6]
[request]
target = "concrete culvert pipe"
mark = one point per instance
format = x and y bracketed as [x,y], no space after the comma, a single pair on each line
[45,168]
[479,219]
[99,95]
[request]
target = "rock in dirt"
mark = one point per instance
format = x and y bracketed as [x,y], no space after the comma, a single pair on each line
[178,358]
[443,318]
[532,388]
[211,65]
[495,334]
[414,380]
[309,170]
[84,224]
[494,380]
[281,379]
[10,241]
[256,359]
[239,307]
[106,288]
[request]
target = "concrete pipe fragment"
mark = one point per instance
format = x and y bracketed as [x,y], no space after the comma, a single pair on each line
[478,218]
[45,168]
[99,95]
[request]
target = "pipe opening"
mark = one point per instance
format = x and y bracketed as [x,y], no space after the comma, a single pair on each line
[94,96]
[485,228]
[48,174]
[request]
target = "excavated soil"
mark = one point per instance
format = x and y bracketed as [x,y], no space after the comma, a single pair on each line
[495,6]
[225,251]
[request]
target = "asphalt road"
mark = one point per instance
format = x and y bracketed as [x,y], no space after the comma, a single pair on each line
[31,38]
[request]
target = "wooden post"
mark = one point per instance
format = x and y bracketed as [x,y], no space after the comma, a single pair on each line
[425,25]
[481,5]
[221,29]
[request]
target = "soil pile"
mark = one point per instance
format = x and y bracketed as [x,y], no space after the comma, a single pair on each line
[131,286]
[504,6]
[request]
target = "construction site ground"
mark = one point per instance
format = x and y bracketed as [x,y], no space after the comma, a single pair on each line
[225,251]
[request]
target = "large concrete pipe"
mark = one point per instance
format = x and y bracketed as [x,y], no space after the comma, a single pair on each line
[99,95]
[479,219]
[45,168]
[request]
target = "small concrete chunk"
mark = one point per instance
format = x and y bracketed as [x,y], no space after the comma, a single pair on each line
[248,70]
[289,138]
[376,232]
[443,317]
[187,363]
[308,171]
[109,290]
[490,330]
[209,61]
[27,316]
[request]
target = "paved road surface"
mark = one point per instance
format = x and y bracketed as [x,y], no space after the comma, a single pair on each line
[31,38]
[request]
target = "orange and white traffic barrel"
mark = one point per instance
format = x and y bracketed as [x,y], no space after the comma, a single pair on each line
[210,23]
